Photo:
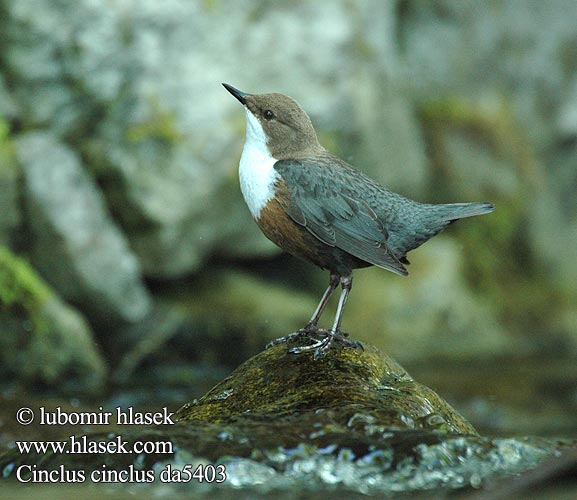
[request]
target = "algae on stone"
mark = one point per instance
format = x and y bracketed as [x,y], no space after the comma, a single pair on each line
[520,258]
[43,339]
[346,386]
[10,213]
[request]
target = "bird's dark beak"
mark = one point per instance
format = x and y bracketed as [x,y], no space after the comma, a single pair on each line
[241,96]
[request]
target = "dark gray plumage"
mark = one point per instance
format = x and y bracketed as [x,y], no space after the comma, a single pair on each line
[345,209]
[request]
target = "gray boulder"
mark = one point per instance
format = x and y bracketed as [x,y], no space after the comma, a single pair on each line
[76,246]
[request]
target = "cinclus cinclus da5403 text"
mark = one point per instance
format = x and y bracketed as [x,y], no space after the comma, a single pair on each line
[317,207]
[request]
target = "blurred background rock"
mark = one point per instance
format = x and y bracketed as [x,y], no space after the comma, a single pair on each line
[128,256]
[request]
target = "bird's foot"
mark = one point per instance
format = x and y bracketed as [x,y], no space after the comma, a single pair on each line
[324,340]
[307,332]
[329,340]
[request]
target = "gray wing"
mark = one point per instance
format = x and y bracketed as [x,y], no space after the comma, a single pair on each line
[329,202]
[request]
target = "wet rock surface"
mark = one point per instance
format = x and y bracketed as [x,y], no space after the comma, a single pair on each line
[348,385]
[352,421]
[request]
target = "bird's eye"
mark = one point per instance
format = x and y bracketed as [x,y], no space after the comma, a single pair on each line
[268,115]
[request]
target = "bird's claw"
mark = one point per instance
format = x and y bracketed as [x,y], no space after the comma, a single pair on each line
[328,339]
[308,331]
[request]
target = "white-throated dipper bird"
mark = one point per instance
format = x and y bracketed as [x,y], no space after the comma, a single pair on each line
[317,207]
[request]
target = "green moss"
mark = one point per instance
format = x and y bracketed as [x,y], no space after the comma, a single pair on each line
[494,125]
[209,5]
[21,289]
[355,388]
[4,131]
[500,257]
[7,162]
[161,125]
[487,246]
[362,49]
[330,139]
[500,264]
[450,110]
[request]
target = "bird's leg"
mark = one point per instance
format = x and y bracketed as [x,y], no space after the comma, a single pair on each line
[320,347]
[311,326]
[346,284]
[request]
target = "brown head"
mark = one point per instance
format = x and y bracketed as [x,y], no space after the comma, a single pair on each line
[288,128]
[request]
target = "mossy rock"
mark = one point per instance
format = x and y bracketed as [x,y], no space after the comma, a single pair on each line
[345,385]
[353,420]
[10,209]
[43,339]
[351,398]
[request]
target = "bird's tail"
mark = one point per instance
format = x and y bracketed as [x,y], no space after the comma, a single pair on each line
[432,219]
[453,211]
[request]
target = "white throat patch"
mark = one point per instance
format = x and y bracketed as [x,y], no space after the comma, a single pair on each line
[256,172]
